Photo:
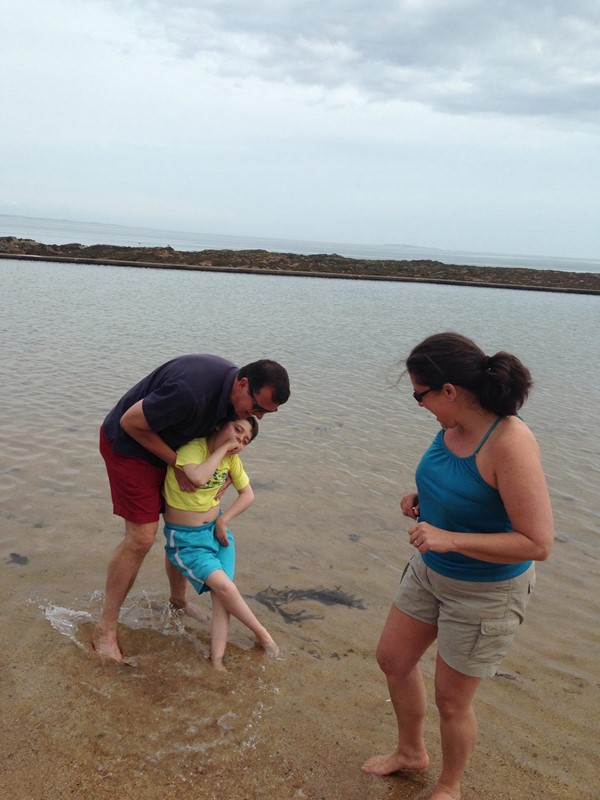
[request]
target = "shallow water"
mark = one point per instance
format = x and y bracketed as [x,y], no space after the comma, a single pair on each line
[328,471]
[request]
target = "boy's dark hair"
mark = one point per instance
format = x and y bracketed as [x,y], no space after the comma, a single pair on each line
[500,382]
[254,428]
[267,373]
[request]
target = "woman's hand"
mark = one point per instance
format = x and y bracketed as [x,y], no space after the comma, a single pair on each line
[425,537]
[409,505]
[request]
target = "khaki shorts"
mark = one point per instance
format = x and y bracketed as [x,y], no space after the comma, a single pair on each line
[476,620]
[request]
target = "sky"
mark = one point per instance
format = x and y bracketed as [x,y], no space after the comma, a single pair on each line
[456,124]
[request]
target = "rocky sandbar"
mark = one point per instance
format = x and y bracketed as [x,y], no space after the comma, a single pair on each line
[318,265]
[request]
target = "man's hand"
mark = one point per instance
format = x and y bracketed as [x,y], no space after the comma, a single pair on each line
[221,531]
[184,482]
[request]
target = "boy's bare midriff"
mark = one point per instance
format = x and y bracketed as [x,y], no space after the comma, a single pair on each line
[177,516]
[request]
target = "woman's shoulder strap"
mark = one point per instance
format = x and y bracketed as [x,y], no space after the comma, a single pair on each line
[487,434]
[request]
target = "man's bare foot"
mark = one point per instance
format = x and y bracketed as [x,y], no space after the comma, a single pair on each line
[106,644]
[190,610]
[394,762]
[269,645]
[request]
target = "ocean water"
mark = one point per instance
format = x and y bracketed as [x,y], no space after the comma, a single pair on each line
[51,231]
[328,471]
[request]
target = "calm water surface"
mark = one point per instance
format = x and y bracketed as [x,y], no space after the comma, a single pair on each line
[328,468]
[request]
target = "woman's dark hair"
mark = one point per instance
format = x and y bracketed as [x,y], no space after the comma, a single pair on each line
[500,382]
[267,373]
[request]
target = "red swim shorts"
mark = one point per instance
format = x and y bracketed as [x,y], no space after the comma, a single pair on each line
[135,485]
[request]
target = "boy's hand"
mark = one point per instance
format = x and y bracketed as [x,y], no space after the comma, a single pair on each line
[221,532]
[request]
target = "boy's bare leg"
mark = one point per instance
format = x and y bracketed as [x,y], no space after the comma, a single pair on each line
[178,597]
[219,631]
[122,571]
[234,603]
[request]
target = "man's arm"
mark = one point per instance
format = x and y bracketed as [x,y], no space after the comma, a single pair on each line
[136,425]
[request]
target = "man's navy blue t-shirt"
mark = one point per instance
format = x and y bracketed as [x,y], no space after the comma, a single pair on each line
[181,400]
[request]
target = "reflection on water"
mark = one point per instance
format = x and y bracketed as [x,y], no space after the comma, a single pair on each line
[328,470]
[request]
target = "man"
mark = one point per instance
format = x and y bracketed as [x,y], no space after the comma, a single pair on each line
[181,400]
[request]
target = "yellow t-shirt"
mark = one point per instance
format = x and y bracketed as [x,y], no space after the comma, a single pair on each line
[230,470]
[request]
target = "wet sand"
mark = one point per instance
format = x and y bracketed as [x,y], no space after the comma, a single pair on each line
[297,727]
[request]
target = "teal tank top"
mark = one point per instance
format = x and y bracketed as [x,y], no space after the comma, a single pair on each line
[453,496]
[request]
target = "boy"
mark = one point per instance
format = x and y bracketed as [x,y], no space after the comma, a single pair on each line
[198,542]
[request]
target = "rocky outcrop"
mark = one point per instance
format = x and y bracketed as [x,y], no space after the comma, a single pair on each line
[321,265]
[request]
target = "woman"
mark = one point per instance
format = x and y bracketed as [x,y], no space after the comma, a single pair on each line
[482,517]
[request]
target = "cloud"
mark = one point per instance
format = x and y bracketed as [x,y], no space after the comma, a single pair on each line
[462,125]
[462,57]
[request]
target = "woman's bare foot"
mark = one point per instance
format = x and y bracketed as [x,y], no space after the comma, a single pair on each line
[395,762]
[442,792]
[190,610]
[106,644]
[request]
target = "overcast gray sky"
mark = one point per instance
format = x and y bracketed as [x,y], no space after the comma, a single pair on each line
[459,124]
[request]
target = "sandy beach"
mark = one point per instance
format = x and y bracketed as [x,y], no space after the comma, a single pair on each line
[168,726]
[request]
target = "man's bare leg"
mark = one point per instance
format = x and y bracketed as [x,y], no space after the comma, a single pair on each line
[402,643]
[178,597]
[123,568]
[458,727]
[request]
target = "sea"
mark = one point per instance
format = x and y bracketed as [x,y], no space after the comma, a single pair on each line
[319,554]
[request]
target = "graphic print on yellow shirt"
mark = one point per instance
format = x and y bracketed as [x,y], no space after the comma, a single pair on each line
[230,471]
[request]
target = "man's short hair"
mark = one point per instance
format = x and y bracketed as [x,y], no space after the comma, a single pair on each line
[267,373]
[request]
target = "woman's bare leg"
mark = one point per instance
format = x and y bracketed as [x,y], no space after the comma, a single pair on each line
[234,603]
[402,643]
[454,693]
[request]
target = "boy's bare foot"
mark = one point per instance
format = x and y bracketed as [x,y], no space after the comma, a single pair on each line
[218,664]
[395,762]
[269,645]
[106,644]
[190,610]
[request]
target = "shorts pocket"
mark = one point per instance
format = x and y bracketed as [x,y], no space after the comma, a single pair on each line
[494,639]
[405,570]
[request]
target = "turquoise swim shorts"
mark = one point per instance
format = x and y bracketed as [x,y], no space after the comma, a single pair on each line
[196,552]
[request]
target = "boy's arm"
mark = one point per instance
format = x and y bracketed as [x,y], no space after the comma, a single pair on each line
[244,499]
[199,474]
